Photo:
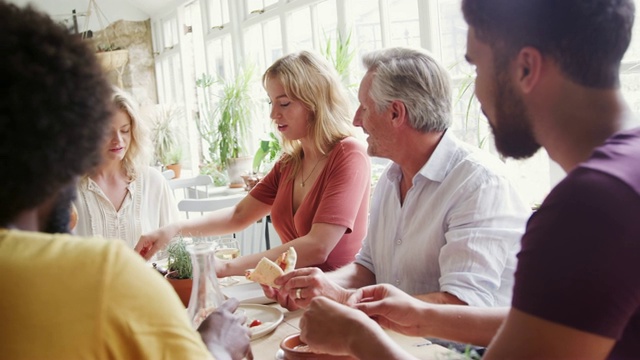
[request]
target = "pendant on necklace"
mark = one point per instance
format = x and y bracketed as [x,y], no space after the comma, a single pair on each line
[302,184]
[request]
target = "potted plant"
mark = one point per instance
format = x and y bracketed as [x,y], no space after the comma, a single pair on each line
[269,150]
[179,269]
[225,126]
[269,147]
[166,136]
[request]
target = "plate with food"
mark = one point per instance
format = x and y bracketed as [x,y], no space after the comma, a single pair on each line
[261,319]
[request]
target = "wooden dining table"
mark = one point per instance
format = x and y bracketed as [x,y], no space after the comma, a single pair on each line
[267,346]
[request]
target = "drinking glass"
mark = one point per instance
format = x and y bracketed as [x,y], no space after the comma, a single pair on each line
[227,248]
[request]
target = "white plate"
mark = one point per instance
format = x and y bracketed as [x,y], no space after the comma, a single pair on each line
[269,316]
[247,293]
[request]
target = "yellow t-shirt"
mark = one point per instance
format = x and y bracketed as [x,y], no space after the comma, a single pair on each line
[65,297]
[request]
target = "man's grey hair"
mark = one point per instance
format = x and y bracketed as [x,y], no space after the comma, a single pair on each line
[414,77]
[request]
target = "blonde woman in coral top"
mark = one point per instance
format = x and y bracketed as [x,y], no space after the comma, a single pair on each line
[317,193]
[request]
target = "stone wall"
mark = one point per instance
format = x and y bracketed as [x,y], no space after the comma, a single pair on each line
[138,75]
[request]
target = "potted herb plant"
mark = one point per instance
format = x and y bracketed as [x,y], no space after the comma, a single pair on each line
[179,269]
[226,126]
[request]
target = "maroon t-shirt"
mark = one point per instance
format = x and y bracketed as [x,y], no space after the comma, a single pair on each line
[580,260]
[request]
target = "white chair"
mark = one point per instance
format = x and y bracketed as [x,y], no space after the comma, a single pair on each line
[169,174]
[192,188]
[208,204]
[250,239]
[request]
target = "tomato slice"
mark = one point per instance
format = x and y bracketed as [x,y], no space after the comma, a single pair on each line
[255,322]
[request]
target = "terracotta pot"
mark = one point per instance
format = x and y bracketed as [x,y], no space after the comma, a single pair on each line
[288,345]
[176,169]
[250,180]
[182,288]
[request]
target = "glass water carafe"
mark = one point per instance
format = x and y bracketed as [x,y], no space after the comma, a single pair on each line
[206,295]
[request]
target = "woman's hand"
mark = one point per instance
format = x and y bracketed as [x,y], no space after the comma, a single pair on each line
[149,244]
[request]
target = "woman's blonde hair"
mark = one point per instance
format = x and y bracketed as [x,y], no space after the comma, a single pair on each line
[137,156]
[307,77]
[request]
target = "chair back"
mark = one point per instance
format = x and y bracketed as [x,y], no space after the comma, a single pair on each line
[196,187]
[208,204]
[250,239]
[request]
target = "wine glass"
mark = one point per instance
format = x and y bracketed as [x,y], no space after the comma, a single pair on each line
[227,248]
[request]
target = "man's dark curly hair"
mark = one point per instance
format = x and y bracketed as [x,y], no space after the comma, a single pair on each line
[587,38]
[53,112]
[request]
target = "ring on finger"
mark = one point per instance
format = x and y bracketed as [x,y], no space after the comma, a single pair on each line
[298,293]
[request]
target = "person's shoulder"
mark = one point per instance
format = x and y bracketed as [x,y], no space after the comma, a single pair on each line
[350,145]
[479,161]
[618,158]
[152,175]
[65,248]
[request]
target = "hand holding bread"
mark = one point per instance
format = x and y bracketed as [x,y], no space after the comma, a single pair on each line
[267,271]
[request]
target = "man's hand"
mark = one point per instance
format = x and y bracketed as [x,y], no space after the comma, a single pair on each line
[390,307]
[149,244]
[329,327]
[300,286]
[224,333]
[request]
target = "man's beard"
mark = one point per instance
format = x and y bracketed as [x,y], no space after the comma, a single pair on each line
[512,125]
[60,216]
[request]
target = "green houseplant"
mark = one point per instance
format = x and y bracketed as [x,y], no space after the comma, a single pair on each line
[180,269]
[340,55]
[269,150]
[225,125]
[166,136]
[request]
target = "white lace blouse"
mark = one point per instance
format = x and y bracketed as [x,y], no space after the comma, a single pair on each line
[148,205]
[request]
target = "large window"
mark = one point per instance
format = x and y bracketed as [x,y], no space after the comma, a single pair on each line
[235,34]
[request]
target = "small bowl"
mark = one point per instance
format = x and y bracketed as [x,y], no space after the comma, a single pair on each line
[289,344]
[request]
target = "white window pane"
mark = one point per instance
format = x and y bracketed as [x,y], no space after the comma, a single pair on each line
[166,75]
[630,73]
[218,12]
[404,26]
[327,20]
[633,54]
[272,42]
[177,79]
[219,57]
[300,35]
[160,83]
[453,38]
[255,5]
[254,51]
[366,33]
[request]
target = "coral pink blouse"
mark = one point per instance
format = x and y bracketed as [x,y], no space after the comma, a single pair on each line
[339,196]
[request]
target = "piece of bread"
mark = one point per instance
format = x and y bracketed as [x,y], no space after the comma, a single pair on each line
[267,271]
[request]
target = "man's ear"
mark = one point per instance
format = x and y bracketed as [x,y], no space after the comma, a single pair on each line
[528,68]
[398,112]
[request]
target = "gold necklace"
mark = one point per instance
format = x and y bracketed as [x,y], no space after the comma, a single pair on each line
[304,181]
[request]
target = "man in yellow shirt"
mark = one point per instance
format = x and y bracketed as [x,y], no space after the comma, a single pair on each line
[62,297]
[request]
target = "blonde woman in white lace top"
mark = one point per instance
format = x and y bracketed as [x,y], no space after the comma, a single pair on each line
[124,197]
